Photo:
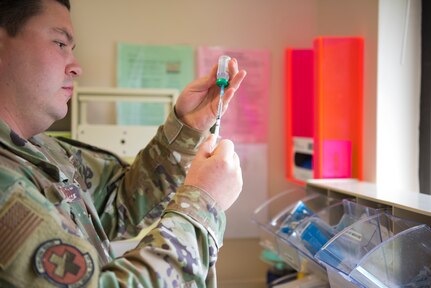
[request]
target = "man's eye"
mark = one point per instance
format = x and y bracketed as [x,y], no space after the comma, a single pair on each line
[60,44]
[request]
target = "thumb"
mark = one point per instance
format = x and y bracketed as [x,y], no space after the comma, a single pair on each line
[205,82]
[207,147]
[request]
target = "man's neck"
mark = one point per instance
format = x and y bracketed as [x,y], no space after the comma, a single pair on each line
[9,119]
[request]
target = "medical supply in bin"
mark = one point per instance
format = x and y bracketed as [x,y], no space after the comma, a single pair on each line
[315,235]
[274,213]
[314,232]
[299,247]
[299,212]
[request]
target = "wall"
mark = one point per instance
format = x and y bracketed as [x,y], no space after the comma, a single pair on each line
[273,25]
[399,57]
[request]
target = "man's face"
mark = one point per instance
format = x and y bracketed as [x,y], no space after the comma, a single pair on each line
[37,67]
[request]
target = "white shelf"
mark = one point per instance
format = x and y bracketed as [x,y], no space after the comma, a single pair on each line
[123,140]
[404,204]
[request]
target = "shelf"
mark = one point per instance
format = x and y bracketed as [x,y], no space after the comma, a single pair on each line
[404,204]
[127,135]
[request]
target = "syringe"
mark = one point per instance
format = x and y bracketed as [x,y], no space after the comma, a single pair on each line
[222,81]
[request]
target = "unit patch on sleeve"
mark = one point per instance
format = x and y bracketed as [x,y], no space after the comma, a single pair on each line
[63,264]
[17,223]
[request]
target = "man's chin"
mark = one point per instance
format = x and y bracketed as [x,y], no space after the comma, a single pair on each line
[55,123]
[62,114]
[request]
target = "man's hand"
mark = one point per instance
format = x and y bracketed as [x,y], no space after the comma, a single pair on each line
[197,104]
[217,170]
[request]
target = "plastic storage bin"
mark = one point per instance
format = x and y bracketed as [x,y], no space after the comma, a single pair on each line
[284,211]
[401,261]
[345,250]
[299,247]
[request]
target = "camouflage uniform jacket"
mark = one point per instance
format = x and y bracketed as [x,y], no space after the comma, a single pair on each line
[62,202]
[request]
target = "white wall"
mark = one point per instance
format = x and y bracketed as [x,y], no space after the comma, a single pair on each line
[399,57]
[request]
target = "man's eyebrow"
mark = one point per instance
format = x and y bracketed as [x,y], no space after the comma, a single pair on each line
[65,33]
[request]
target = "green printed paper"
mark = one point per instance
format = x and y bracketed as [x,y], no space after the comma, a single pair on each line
[147,66]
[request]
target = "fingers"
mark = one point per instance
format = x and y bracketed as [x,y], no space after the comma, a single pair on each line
[206,149]
[203,83]
[212,75]
[225,149]
[237,80]
[233,67]
[212,142]
[233,87]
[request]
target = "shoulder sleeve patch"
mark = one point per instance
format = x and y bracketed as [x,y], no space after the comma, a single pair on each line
[63,264]
[17,223]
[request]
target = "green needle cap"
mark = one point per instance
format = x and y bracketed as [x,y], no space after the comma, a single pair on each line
[222,82]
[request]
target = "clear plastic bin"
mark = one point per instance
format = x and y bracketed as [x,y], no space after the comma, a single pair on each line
[283,212]
[401,261]
[299,247]
[345,250]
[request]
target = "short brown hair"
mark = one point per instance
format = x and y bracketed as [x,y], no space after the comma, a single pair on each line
[15,13]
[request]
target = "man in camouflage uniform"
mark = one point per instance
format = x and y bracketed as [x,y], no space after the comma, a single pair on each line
[62,202]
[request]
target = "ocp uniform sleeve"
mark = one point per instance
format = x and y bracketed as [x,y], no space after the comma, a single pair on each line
[158,170]
[180,252]
[129,198]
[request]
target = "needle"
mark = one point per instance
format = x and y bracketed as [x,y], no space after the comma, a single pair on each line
[219,110]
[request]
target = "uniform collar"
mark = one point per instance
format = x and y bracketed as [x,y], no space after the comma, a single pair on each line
[28,150]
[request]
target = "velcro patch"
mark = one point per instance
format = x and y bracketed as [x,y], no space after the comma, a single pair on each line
[70,193]
[17,223]
[63,264]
